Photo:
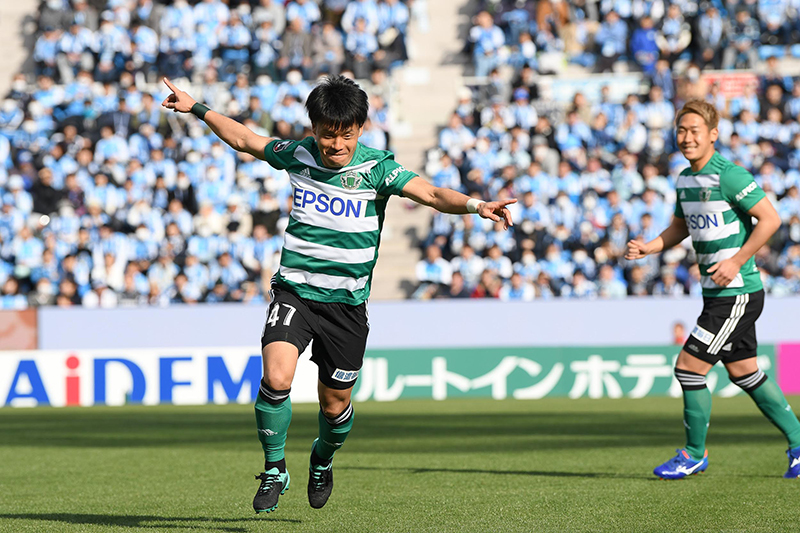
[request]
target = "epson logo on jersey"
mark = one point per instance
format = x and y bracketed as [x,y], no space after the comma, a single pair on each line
[747,190]
[338,207]
[344,375]
[393,175]
[702,221]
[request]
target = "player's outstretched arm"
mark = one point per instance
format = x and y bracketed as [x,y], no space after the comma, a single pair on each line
[453,202]
[768,223]
[674,234]
[237,135]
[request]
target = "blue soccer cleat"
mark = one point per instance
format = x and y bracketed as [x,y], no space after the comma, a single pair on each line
[794,463]
[681,465]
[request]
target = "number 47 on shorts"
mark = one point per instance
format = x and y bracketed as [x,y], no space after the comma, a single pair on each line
[273,318]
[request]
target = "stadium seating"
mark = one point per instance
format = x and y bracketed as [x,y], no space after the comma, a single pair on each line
[107,200]
[571,111]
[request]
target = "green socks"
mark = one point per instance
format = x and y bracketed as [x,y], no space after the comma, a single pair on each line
[770,399]
[696,411]
[273,415]
[333,432]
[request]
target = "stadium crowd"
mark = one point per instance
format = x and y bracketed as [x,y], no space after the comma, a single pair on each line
[595,172]
[106,200]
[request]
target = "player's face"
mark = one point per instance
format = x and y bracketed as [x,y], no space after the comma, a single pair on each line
[336,148]
[695,139]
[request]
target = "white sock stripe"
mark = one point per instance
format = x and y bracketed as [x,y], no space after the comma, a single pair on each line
[271,394]
[690,379]
[730,325]
[343,417]
[749,381]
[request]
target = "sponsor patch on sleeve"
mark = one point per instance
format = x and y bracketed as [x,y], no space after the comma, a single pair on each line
[344,375]
[704,336]
[280,146]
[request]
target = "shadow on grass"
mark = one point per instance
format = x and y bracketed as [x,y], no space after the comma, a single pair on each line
[535,473]
[377,432]
[144,521]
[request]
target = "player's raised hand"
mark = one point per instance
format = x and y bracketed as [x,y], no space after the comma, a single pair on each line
[636,250]
[178,101]
[497,211]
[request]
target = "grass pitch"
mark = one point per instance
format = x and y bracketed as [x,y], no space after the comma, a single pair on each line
[459,465]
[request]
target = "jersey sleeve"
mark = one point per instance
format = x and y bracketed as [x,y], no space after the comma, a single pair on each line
[279,154]
[740,189]
[389,177]
[678,209]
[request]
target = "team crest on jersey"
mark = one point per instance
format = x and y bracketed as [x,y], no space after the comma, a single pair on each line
[705,194]
[281,146]
[351,180]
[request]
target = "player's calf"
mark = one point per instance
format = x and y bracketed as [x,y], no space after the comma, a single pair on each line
[770,400]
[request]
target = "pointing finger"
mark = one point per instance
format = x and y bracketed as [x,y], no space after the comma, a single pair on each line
[170,85]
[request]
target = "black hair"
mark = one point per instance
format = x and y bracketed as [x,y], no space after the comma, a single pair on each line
[337,103]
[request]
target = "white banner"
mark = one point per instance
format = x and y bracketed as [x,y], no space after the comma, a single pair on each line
[181,376]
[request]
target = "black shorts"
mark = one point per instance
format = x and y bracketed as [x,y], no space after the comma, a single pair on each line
[726,329]
[339,332]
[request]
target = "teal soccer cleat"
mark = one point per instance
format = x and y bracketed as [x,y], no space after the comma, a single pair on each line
[273,484]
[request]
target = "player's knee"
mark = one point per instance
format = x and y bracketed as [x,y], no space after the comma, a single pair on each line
[338,412]
[278,381]
[690,380]
[750,381]
[272,395]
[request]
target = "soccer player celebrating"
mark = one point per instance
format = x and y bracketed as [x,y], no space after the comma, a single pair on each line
[340,191]
[716,201]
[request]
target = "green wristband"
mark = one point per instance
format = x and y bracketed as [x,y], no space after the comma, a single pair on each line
[199,110]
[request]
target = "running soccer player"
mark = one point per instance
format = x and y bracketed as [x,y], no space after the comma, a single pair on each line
[340,191]
[716,202]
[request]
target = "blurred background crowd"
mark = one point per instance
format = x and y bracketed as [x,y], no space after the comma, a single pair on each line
[593,160]
[106,200]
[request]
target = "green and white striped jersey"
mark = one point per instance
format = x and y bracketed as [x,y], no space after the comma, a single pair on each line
[714,202]
[331,243]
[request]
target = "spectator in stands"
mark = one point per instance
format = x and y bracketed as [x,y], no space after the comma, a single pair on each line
[328,50]
[433,270]
[644,47]
[743,41]
[487,39]
[612,41]
[710,38]
[675,35]
[361,46]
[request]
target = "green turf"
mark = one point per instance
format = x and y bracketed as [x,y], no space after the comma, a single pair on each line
[478,465]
